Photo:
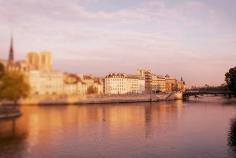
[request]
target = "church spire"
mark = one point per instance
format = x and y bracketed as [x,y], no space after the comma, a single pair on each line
[11,52]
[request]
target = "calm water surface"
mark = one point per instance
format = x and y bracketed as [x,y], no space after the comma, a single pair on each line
[199,128]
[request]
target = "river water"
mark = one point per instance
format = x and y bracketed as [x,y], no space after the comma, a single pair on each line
[199,128]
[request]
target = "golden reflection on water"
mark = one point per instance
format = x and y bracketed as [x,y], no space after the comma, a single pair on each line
[164,129]
[38,119]
[47,125]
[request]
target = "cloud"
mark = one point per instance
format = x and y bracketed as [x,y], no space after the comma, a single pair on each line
[156,34]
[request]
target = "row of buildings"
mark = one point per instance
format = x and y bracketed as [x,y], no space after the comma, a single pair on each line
[144,81]
[44,80]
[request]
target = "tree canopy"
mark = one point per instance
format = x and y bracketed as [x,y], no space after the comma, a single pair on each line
[13,86]
[92,90]
[230,78]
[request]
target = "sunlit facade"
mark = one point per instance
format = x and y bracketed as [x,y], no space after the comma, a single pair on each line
[40,61]
[79,85]
[70,86]
[46,83]
[158,83]
[181,85]
[123,84]
[44,80]
[171,84]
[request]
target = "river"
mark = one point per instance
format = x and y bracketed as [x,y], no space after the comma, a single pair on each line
[200,128]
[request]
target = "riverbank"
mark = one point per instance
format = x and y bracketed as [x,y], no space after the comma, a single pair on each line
[9,112]
[99,99]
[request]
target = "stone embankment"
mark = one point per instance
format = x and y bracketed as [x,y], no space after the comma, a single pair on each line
[9,112]
[101,99]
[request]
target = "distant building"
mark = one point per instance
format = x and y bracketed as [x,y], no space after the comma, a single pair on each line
[82,88]
[35,61]
[123,84]
[158,83]
[181,85]
[171,84]
[153,83]
[135,84]
[70,86]
[92,82]
[11,54]
[43,80]
[98,84]
[147,75]
[79,85]
[46,83]
[21,66]
[40,61]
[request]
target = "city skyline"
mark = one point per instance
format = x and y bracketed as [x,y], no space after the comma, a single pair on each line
[193,39]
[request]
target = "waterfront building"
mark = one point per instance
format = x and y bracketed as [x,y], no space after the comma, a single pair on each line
[46,82]
[135,84]
[98,84]
[43,80]
[80,85]
[88,80]
[119,83]
[71,84]
[153,83]
[82,88]
[92,82]
[171,84]
[115,84]
[181,85]
[158,83]
[147,75]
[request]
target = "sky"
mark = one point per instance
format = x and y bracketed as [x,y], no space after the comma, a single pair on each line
[192,39]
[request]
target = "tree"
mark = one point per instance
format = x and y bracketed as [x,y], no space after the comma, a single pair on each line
[232,134]
[13,86]
[92,90]
[230,78]
[2,69]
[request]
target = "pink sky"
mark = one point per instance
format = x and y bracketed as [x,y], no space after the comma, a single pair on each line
[193,39]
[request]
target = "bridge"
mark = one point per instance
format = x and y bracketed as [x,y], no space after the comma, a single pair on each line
[197,93]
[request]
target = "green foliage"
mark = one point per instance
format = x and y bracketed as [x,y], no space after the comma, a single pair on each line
[92,90]
[230,78]
[13,86]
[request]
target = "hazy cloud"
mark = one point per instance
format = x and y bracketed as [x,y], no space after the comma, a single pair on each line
[189,38]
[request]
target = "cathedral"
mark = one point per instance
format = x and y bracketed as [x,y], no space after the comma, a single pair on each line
[10,64]
[34,61]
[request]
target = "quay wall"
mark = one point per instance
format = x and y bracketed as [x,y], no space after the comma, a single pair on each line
[101,99]
[9,112]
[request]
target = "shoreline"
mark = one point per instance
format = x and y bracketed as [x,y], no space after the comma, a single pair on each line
[10,116]
[106,99]
[9,112]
